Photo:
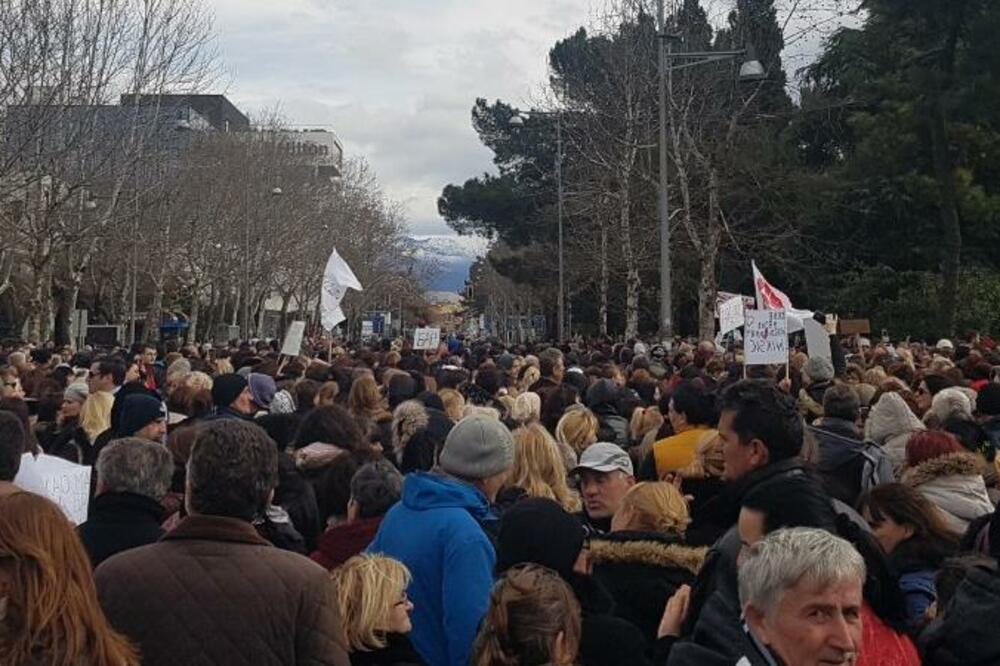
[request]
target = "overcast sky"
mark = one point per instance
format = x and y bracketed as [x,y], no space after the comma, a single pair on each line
[396,79]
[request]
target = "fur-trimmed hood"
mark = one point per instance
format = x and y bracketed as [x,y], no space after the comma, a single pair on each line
[650,549]
[952,464]
[409,418]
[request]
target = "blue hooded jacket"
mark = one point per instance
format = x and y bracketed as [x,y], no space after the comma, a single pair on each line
[435,530]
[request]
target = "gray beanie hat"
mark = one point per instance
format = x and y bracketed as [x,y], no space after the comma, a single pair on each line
[477,447]
[818,369]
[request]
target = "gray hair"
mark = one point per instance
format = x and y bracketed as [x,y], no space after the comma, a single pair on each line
[780,560]
[376,486]
[134,465]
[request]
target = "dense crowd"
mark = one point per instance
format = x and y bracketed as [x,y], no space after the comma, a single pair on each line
[594,503]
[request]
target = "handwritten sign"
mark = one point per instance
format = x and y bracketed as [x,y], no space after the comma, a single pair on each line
[426,338]
[731,315]
[293,338]
[766,336]
[63,482]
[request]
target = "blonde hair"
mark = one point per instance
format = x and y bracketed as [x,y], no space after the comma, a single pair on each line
[454,403]
[578,429]
[95,415]
[529,376]
[656,507]
[477,410]
[198,379]
[365,399]
[538,467]
[367,587]
[223,366]
[645,419]
[327,394]
[527,408]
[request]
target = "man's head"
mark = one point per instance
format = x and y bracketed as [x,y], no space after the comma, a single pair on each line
[551,364]
[841,402]
[134,465]
[106,374]
[801,594]
[759,425]
[149,354]
[480,450]
[142,416]
[10,383]
[375,487]
[232,391]
[13,443]
[232,470]
[606,474]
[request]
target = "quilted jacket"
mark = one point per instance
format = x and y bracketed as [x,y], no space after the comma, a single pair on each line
[213,592]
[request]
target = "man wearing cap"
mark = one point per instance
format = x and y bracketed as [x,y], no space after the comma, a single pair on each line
[142,416]
[437,531]
[605,474]
[232,398]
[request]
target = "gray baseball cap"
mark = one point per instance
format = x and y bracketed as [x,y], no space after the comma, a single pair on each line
[605,457]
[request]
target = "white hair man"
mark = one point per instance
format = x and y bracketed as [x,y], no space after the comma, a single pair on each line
[801,594]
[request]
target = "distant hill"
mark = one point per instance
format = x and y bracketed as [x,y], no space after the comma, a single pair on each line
[454,255]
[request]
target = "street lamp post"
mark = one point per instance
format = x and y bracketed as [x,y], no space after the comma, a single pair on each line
[518,121]
[750,70]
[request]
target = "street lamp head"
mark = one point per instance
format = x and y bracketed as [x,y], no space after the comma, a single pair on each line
[277,191]
[516,121]
[90,204]
[752,71]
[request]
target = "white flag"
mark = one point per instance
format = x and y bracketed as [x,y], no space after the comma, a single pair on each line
[337,279]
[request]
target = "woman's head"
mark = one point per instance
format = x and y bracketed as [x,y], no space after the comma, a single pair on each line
[331,424]
[364,397]
[371,596]
[527,408]
[454,403]
[327,394]
[533,620]
[899,514]
[577,428]
[538,468]
[652,507]
[644,420]
[95,415]
[52,603]
[927,444]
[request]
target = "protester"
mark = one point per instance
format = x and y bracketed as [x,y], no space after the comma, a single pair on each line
[538,471]
[364,402]
[141,416]
[539,531]
[13,445]
[890,424]
[602,399]
[232,398]
[375,488]
[577,429]
[438,531]
[913,532]
[371,598]
[692,417]
[133,475]
[817,378]
[50,609]
[533,620]
[604,474]
[231,474]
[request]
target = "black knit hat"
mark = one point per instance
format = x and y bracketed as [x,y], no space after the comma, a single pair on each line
[539,531]
[988,400]
[138,411]
[226,388]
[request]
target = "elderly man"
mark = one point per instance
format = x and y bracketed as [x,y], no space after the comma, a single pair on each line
[133,475]
[801,593]
[254,604]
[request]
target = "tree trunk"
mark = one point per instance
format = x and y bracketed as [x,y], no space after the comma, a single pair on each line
[154,315]
[192,332]
[632,281]
[709,257]
[602,317]
[64,302]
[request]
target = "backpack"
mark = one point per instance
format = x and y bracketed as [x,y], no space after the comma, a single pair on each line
[865,468]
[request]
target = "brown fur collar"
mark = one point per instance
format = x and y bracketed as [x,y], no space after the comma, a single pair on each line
[952,464]
[647,552]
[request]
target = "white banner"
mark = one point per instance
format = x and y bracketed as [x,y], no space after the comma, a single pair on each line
[63,482]
[293,338]
[817,339]
[426,338]
[766,337]
[731,315]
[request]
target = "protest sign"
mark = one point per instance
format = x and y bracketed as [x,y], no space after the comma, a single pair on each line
[293,338]
[61,481]
[367,329]
[731,315]
[426,338]
[766,334]
[854,327]
[817,339]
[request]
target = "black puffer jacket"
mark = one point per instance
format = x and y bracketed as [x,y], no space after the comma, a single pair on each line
[606,640]
[641,571]
[966,634]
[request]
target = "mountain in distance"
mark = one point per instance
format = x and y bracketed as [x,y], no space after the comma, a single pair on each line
[453,256]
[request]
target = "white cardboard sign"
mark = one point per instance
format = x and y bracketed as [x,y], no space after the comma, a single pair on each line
[766,337]
[817,339]
[367,329]
[293,338]
[731,315]
[63,482]
[426,338]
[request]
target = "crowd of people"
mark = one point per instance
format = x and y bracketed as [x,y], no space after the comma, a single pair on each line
[592,503]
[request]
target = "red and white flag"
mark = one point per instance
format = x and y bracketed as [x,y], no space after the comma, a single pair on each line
[768,296]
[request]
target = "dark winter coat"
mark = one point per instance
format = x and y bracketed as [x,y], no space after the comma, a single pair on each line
[641,571]
[612,426]
[605,639]
[214,592]
[118,522]
[344,541]
[966,635]
[848,465]
[68,441]
[397,652]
